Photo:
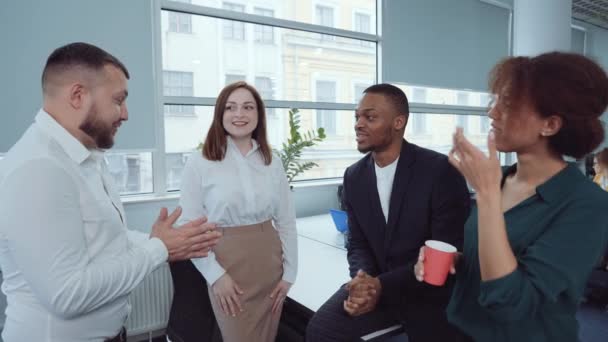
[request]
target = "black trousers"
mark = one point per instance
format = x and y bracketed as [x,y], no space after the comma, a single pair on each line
[422,323]
[191,318]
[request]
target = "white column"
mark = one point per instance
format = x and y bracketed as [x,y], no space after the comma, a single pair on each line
[541,26]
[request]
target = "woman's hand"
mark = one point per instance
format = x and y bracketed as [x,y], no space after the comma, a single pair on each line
[482,172]
[227,293]
[279,294]
[419,267]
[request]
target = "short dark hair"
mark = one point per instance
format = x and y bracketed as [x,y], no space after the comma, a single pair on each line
[395,95]
[568,85]
[79,55]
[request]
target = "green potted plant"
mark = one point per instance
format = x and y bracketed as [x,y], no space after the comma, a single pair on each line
[291,151]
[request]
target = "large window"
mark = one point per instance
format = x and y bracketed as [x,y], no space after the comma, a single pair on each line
[439,138]
[418,122]
[449,109]
[303,11]
[175,165]
[290,68]
[178,83]
[326,118]
[264,33]
[234,29]
[363,23]
[324,15]
[180,22]
[132,172]
[264,86]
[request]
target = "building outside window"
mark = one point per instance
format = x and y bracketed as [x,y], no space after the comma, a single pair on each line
[286,73]
[263,33]
[325,16]
[234,29]
[178,83]
[363,23]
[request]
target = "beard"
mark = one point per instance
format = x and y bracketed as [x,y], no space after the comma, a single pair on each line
[380,144]
[98,130]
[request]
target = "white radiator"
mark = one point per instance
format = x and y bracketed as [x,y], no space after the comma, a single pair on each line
[151,303]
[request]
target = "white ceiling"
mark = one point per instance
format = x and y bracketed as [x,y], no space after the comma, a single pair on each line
[592,11]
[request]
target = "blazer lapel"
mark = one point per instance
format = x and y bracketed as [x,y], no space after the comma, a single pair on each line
[376,214]
[399,191]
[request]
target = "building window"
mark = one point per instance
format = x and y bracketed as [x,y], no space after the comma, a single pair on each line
[285,74]
[234,29]
[180,22]
[178,83]
[231,78]
[326,118]
[325,16]
[263,33]
[363,23]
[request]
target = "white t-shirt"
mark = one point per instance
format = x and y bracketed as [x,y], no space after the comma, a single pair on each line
[384,181]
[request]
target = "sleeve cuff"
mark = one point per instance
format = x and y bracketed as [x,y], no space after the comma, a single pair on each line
[157,250]
[209,268]
[496,292]
[289,274]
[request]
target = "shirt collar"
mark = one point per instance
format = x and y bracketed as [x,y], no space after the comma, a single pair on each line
[72,146]
[557,186]
[233,145]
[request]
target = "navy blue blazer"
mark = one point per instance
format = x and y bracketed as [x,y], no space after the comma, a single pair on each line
[429,200]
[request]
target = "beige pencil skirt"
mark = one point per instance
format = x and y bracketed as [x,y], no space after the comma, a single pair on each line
[253,257]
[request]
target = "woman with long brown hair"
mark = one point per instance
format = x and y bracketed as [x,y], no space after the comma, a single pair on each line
[539,226]
[238,184]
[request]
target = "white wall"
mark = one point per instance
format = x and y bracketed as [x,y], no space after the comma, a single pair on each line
[30,30]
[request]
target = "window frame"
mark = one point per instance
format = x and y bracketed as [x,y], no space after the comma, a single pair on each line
[159,164]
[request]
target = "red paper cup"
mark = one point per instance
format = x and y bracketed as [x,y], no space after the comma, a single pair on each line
[438,258]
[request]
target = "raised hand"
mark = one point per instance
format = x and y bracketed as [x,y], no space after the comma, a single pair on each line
[191,240]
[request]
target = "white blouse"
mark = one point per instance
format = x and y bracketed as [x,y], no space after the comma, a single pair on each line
[240,190]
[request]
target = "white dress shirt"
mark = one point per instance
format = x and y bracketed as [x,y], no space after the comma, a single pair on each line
[240,190]
[67,259]
[384,182]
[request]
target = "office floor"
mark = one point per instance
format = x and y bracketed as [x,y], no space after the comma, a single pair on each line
[593,322]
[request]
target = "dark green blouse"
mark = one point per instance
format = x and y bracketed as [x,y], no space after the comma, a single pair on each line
[557,236]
